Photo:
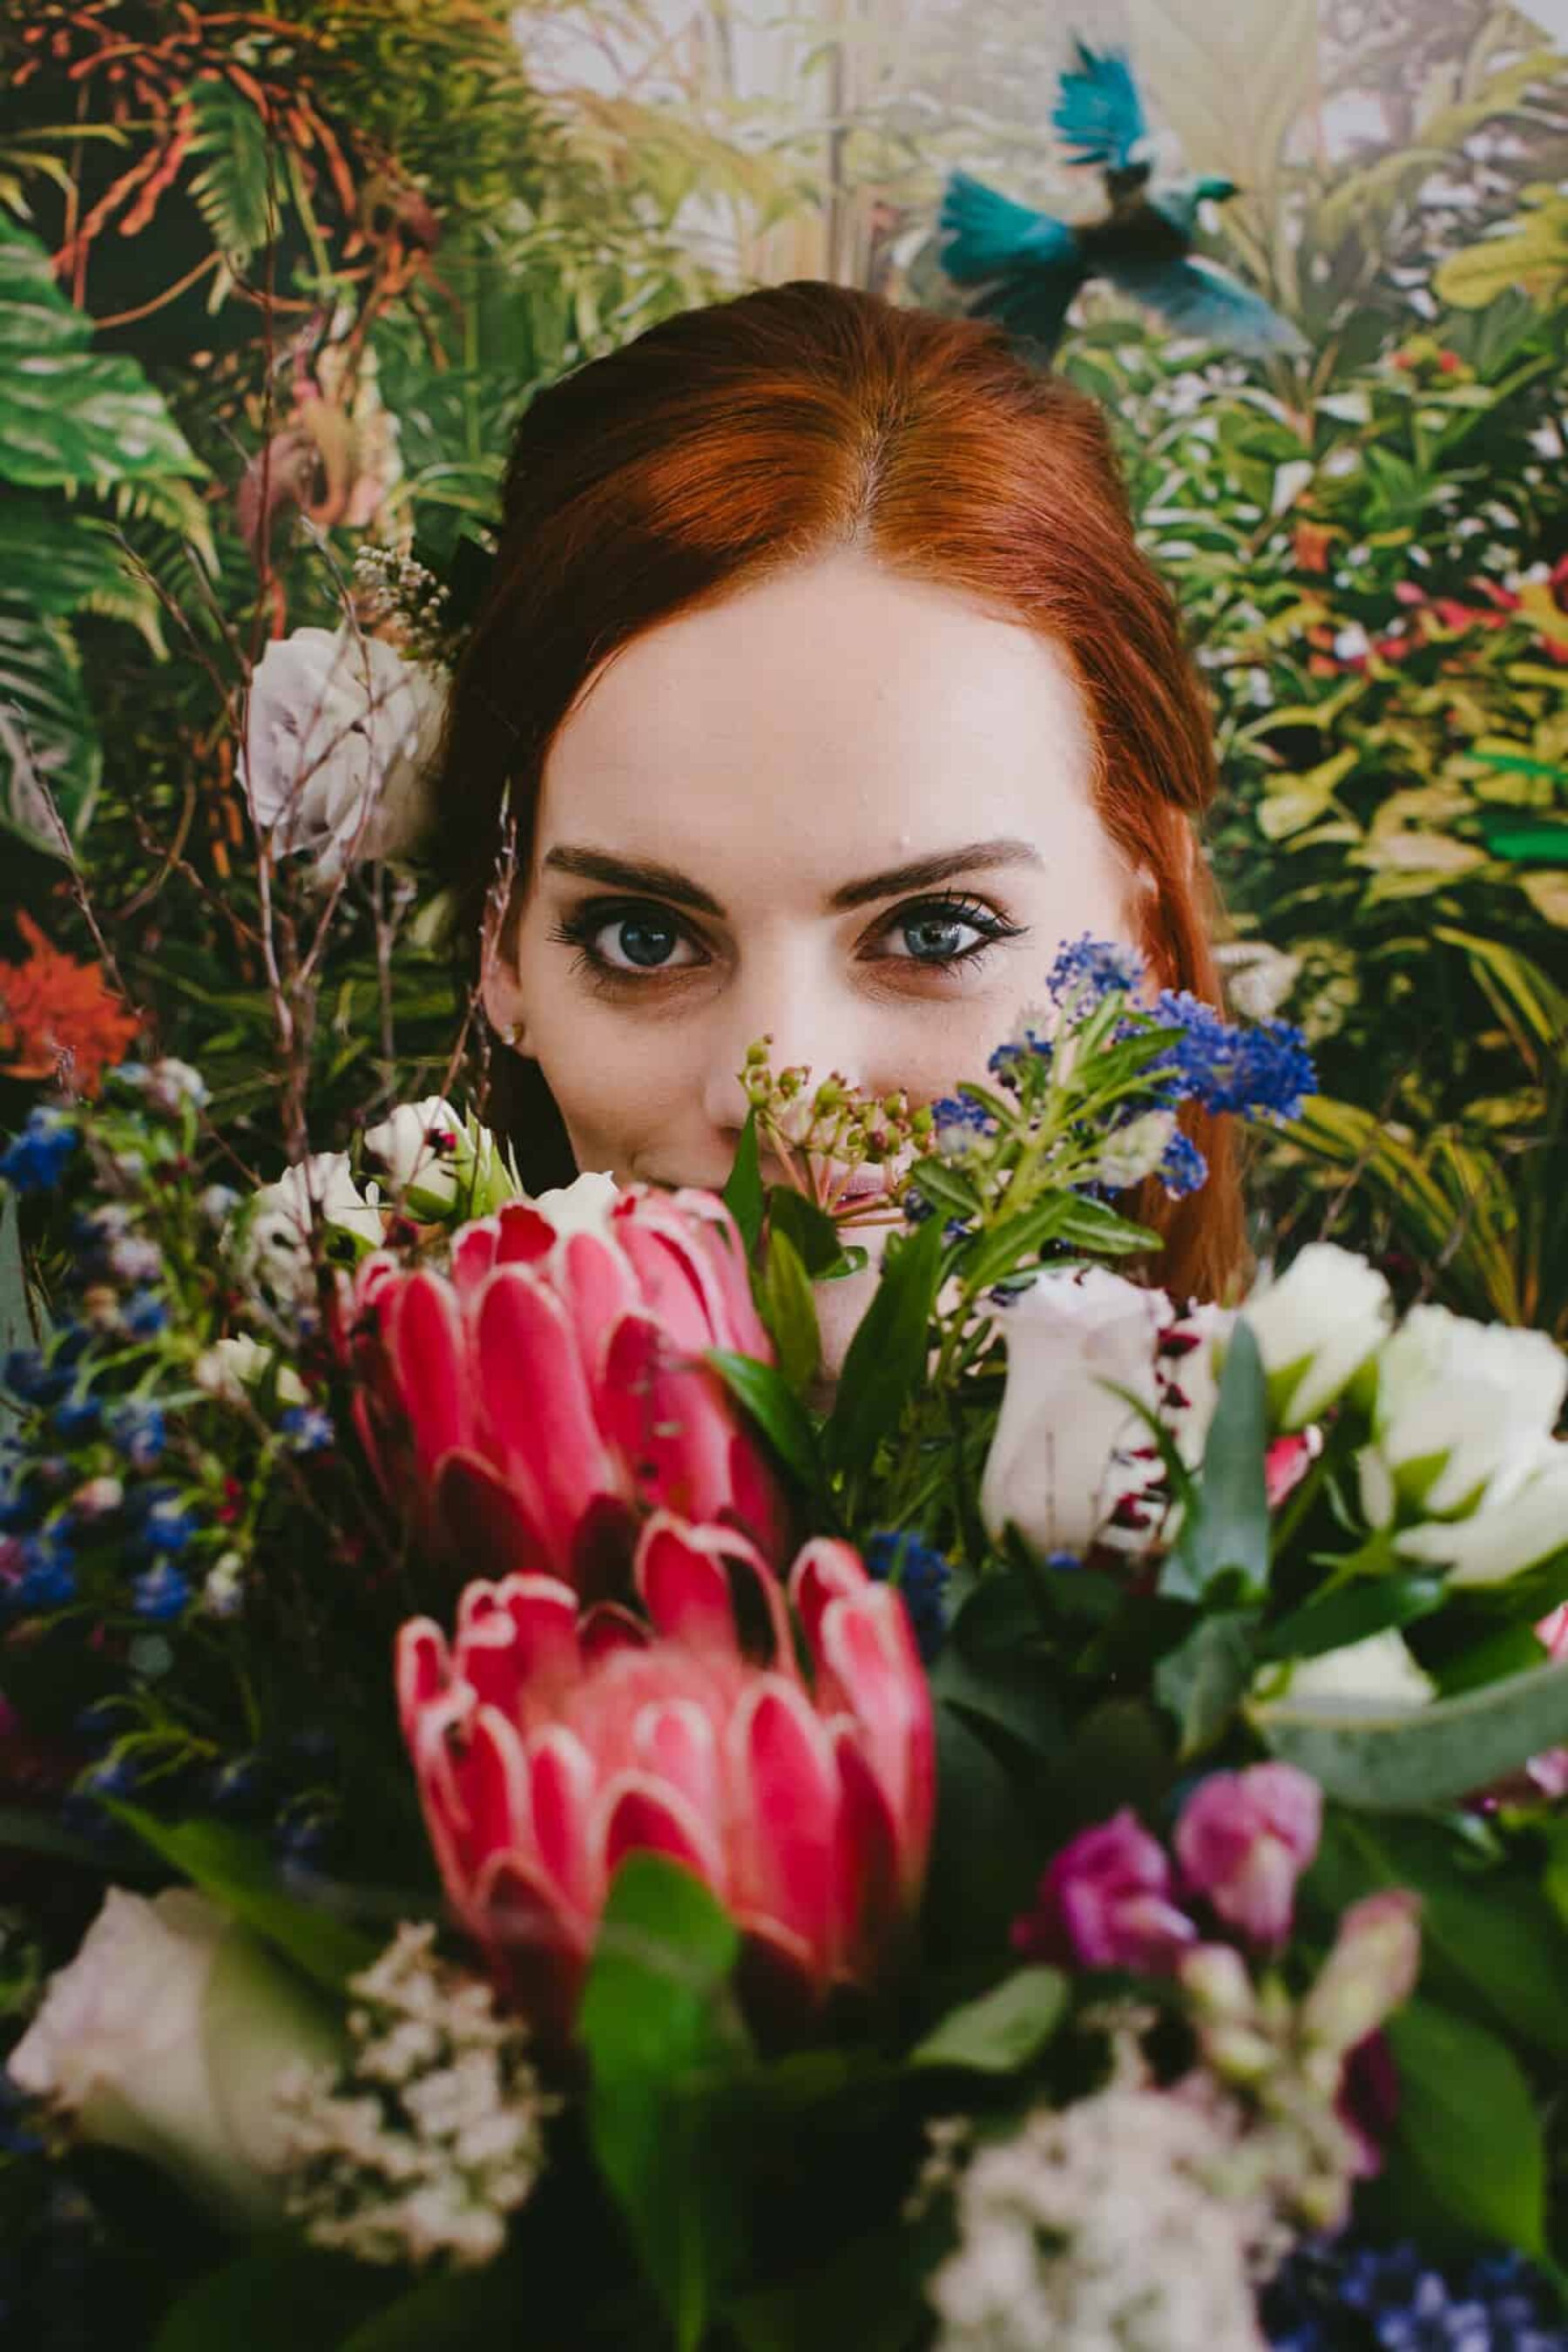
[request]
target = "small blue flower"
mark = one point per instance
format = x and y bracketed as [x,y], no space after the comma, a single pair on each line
[117,1776]
[1183,1168]
[1063,1563]
[921,1575]
[1260,1071]
[34,1160]
[144,1314]
[137,1428]
[1099,966]
[160,1593]
[48,1575]
[165,1527]
[19,1511]
[235,1786]
[98,1726]
[75,1417]
[34,1378]
[1403,2301]
[307,1429]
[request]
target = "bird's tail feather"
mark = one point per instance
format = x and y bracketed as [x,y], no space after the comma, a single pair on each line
[988,233]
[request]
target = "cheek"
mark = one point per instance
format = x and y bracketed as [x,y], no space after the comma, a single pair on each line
[615,1082]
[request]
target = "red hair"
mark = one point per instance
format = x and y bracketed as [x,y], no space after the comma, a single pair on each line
[739,438]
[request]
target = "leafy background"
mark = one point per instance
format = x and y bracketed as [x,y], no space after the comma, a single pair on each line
[274,283]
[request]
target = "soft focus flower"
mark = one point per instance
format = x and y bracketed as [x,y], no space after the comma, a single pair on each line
[276,1247]
[1243,1841]
[59,1019]
[417,1144]
[34,1160]
[1105,1902]
[583,1206]
[163,2036]
[1458,1403]
[1258,978]
[232,1368]
[169,1083]
[1370,1972]
[921,1575]
[1520,1519]
[1315,1325]
[548,1748]
[552,1390]
[341,733]
[1070,1462]
[1111,2223]
[1378,1671]
[1261,1070]
[1132,1152]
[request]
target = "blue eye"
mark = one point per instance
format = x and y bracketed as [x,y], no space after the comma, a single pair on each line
[935,933]
[626,940]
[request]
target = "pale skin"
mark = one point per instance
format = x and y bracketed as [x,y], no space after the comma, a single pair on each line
[809,742]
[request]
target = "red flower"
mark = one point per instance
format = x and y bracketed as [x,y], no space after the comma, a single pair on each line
[536,1405]
[549,1746]
[57,1018]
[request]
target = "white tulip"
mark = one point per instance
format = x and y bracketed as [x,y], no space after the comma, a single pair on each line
[1457,1402]
[231,1368]
[1520,1520]
[583,1206]
[166,2035]
[1315,1325]
[1067,1452]
[340,736]
[277,1240]
[420,1145]
[1375,1673]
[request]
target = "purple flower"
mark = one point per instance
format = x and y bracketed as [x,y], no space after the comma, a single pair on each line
[1099,965]
[1261,1071]
[1183,1169]
[1243,1841]
[1105,1903]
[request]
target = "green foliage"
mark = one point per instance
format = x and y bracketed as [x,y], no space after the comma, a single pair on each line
[1408,1760]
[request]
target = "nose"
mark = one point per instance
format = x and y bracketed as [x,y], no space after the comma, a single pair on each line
[808,1018]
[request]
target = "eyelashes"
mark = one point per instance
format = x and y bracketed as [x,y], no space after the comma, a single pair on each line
[581,927]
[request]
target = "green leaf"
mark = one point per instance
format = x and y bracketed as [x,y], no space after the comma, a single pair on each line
[789,1310]
[1354,1614]
[866,2295]
[661,2034]
[1489,1937]
[315,2297]
[233,1869]
[1412,1760]
[445,2314]
[742,1194]
[887,1357]
[48,745]
[235,191]
[1468,2125]
[1005,2030]
[778,1412]
[811,1229]
[1228,1526]
[1205,1679]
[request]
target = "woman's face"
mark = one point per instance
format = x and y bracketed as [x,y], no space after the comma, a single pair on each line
[846,807]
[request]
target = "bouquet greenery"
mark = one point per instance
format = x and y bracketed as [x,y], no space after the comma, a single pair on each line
[1054,1838]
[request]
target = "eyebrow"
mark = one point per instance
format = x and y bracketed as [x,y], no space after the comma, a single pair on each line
[918,873]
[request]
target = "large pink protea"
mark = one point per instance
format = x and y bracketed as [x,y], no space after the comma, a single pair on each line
[550,1743]
[536,1404]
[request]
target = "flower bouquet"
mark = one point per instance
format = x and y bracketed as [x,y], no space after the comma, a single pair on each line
[533,1816]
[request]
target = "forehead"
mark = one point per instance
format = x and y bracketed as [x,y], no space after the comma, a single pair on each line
[816,722]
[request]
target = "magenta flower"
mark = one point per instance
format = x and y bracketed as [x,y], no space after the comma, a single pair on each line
[1243,1841]
[1105,1903]
[549,1744]
[535,1406]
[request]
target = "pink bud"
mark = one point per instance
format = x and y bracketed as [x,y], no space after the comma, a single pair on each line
[1370,1972]
[1243,1841]
[1104,1903]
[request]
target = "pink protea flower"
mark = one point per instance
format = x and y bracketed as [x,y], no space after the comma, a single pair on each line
[1243,1841]
[536,1404]
[549,1745]
[1105,1902]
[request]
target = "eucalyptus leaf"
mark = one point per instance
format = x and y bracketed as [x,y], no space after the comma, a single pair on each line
[1004,2029]
[1468,2125]
[1411,1759]
[1227,1525]
[887,1357]
[1204,1680]
[1334,1620]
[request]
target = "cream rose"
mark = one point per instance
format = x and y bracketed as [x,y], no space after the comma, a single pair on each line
[340,736]
[1316,1324]
[167,2035]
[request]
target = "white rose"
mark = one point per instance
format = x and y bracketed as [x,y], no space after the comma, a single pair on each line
[231,1368]
[1067,1452]
[1457,1402]
[166,2035]
[1379,1672]
[1520,1520]
[1315,1325]
[339,735]
[420,1146]
[583,1206]
[277,1240]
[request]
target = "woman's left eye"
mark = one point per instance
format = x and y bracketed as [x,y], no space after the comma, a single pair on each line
[946,932]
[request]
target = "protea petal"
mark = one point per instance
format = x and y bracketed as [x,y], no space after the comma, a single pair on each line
[606,1628]
[788,1871]
[673,1739]
[668,1275]
[640,1815]
[517,1912]
[600,1287]
[869,1891]
[473,1254]
[424,1330]
[561,1789]
[523,1236]
[756,1502]
[485,1523]
[489,1774]
[421,1668]
[824,1569]
[683,1584]
[671,1421]
[866,1646]
[536,1404]
[543,1615]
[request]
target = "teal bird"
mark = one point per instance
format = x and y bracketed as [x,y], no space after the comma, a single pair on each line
[1141,245]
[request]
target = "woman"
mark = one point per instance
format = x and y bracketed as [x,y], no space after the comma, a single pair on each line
[820,688]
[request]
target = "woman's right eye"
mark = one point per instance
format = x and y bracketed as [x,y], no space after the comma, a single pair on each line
[631,940]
